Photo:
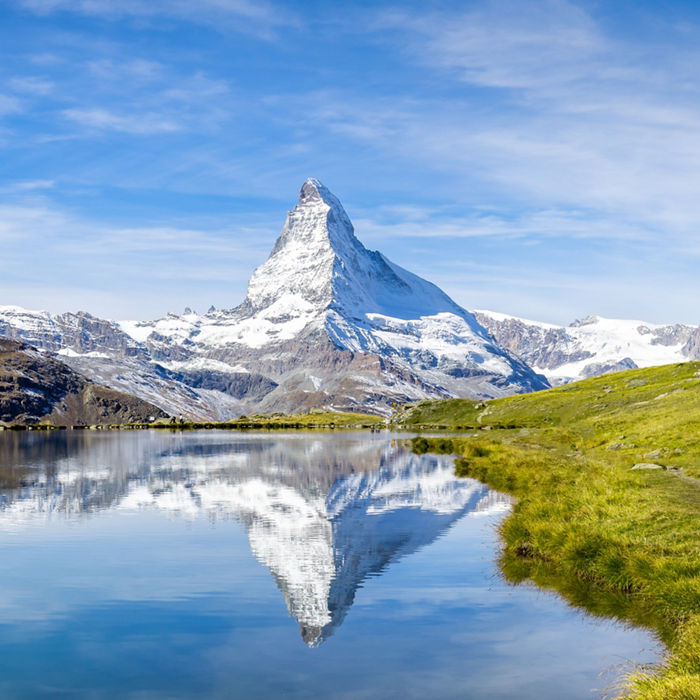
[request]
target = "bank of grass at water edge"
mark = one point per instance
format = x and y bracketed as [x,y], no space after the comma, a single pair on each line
[619,541]
[275,421]
[314,420]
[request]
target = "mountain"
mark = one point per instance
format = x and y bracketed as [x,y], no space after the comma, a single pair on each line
[322,514]
[37,388]
[591,346]
[325,323]
[99,349]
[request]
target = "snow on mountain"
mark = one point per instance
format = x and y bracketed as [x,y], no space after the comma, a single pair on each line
[100,350]
[321,514]
[592,346]
[337,325]
[325,323]
[79,332]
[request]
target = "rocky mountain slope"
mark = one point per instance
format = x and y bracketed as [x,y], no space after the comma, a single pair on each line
[325,323]
[35,387]
[99,349]
[592,346]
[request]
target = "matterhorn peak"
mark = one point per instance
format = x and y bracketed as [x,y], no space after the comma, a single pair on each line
[319,266]
[316,235]
[318,206]
[314,193]
[326,323]
[312,190]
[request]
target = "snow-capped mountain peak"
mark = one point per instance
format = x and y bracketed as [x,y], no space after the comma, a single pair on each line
[314,192]
[318,263]
[325,323]
[317,239]
[318,259]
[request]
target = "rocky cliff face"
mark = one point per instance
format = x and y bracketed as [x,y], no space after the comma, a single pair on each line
[592,346]
[37,388]
[325,323]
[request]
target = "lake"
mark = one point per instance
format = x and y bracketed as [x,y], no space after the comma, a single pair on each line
[214,564]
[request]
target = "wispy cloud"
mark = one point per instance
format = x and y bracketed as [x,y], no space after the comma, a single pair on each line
[134,69]
[31,85]
[103,119]
[9,105]
[505,44]
[27,186]
[37,219]
[176,266]
[119,93]
[542,224]
[252,16]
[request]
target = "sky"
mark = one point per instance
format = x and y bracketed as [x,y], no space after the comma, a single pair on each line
[538,158]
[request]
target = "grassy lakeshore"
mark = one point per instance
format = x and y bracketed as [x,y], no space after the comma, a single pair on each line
[315,420]
[619,540]
[274,421]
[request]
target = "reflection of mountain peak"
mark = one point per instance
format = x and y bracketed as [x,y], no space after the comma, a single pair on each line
[320,554]
[310,634]
[323,513]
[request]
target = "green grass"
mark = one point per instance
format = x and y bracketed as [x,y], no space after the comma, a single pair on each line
[316,420]
[277,421]
[618,541]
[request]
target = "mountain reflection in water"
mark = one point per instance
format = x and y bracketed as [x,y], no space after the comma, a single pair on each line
[322,514]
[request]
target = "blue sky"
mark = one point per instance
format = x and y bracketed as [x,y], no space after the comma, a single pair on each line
[536,158]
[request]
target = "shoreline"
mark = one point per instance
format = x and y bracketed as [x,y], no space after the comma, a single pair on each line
[605,473]
[306,421]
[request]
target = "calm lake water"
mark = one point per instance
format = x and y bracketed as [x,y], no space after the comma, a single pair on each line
[216,564]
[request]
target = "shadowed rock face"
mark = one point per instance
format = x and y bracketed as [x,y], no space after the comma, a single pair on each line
[37,388]
[322,512]
[598,368]
[237,384]
[691,349]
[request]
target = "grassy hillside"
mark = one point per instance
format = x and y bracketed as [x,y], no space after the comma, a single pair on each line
[618,540]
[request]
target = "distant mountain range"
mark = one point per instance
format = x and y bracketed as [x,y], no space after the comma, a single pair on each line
[593,345]
[327,323]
